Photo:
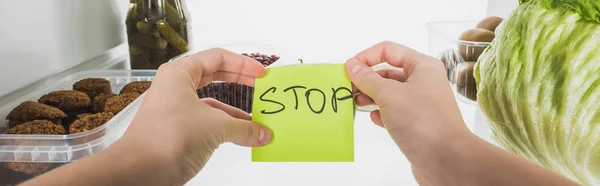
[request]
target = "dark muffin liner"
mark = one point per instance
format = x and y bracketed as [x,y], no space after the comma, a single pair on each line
[234,94]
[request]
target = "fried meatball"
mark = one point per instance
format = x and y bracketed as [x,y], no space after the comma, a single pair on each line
[90,122]
[29,111]
[137,86]
[70,101]
[93,86]
[37,127]
[118,103]
[99,101]
[34,127]
[79,116]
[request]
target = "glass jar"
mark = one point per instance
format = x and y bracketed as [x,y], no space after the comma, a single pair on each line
[157,30]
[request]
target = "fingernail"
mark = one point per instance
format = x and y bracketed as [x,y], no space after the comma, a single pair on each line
[357,65]
[356,69]
[261,135]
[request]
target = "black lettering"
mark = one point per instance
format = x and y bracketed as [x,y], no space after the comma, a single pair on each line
[334,98]
[293,88]
[272,89]
[308,100]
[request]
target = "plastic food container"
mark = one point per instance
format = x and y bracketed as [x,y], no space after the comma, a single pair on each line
[50,151]
[459,56]
[235,94]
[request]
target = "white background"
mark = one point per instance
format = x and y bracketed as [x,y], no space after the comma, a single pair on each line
[324,31]
[42,37]
[54,35]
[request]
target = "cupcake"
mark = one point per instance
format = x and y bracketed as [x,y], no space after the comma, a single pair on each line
[236,94]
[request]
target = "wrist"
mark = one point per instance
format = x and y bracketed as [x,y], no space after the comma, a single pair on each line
[147,163]
[448,158]
[426,142]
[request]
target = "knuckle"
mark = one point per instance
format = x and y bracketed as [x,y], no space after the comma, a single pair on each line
[209,101]
[434,68]
[388,43]
[165,67]
[391,44]
[216,49]
[363,76]
[438,66]
[432,65]
[166,70]
[251,131]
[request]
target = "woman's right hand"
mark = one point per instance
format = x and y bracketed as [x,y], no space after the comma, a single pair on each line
[418,109]
[415,99]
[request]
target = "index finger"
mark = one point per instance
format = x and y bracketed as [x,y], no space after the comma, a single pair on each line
[203,64]
[232,111]
[394,54]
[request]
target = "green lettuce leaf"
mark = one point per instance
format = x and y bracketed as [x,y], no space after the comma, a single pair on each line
[539,86]
[588,9]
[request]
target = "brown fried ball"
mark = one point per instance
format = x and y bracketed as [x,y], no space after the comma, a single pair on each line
[37,127]
[93,86]
[118,103]
[99,101]
[79,116]
[34,127]
[29,111]
[90,122]
[137,86]
[70,101]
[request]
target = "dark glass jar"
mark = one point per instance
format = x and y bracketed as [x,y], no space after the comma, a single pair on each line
[157,30]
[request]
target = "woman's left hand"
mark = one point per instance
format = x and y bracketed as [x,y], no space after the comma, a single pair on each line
[174,132]
[188,129]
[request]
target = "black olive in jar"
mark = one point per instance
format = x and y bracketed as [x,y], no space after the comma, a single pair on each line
[157,31]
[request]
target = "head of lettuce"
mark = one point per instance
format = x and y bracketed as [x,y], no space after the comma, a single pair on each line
[539,85]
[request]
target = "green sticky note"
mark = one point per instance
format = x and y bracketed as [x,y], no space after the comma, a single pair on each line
[310,110]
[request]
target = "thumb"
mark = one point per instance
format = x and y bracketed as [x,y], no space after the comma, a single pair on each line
[247,133]
[364,78]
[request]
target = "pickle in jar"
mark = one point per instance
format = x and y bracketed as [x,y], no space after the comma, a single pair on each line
[135,50]
[140,63]
[157,31]
[173,15]
[155,56]
[147,28]
[172,37]
[149,41]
